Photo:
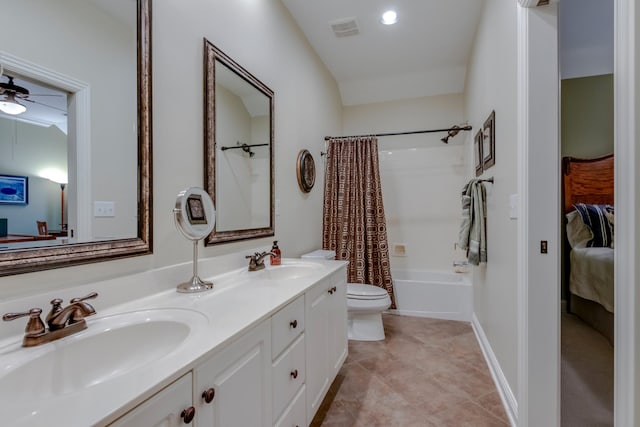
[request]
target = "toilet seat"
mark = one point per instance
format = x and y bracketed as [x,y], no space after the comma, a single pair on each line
[365,292]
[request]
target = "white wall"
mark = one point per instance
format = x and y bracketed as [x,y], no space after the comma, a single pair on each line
[491,85]
[421,176]
[262,37]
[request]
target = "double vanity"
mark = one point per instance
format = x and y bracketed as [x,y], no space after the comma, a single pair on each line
[259,349]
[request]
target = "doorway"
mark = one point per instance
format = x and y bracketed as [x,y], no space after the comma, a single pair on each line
[586,46]
[538,394]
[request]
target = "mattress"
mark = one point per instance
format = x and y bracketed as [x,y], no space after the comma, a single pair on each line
[592,275]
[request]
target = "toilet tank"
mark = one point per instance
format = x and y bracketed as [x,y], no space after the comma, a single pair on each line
[320,254]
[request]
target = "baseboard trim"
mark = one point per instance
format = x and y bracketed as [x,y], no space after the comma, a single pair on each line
[506,395]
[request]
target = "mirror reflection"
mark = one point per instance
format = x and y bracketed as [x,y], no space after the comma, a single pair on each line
[75,124]
[239,149]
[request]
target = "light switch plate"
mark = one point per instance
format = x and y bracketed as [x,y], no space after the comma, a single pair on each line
[514,199]
[104,209]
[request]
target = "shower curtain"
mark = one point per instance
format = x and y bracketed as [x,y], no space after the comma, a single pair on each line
[353,223]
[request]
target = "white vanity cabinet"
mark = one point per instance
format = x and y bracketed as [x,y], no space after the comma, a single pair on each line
[275,374]
[326,336]
[289,364]
[167,408]
[240,377]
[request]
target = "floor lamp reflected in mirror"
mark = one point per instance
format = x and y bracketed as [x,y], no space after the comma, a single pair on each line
[63,225]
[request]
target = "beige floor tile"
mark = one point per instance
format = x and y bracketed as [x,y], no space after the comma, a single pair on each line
[427,373]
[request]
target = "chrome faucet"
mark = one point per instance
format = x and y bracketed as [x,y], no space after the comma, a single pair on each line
[256,261]
[61,322]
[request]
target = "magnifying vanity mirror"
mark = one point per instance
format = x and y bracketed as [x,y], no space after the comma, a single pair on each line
[238,149]
[97,53]
[195,217]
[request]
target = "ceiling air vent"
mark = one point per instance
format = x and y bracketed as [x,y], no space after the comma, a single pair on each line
[345,27]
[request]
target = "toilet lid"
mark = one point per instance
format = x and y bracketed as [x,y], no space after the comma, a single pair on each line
[360,291]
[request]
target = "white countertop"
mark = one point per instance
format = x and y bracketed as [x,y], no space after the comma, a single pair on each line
[228,310]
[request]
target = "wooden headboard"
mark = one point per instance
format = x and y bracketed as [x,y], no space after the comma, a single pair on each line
[587,181]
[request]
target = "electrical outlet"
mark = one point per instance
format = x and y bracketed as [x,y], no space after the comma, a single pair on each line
[399,249]
[104,209]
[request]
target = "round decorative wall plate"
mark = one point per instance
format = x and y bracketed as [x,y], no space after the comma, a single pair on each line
[306,171]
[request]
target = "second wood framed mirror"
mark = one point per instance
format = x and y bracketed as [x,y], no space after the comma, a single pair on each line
[238,149]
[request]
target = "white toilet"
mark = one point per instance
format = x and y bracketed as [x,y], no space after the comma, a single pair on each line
[365,304]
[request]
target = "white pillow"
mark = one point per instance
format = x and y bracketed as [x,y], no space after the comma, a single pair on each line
[578,233]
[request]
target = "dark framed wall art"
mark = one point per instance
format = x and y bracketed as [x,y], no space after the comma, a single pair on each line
[489,141]
[477,152]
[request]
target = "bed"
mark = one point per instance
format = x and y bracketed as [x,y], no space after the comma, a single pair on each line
[588,250]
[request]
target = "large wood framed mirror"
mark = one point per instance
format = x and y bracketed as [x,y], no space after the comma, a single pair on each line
[238,149]
[89,62]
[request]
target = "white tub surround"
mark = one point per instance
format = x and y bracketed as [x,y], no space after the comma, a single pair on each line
[239,331]
[440,295]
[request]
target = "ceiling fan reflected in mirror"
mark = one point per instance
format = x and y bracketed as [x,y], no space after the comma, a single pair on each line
[9,104]
[12,94]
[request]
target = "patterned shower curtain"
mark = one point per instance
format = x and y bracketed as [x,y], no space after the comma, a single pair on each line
[353,222]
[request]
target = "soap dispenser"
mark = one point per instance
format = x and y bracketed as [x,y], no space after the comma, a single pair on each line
[276,255]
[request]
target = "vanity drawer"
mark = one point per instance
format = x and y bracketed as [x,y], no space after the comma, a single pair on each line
[288,375]
[295,415]
[286,325]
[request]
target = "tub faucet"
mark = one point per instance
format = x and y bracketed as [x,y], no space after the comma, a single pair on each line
[256,261]
[62,322]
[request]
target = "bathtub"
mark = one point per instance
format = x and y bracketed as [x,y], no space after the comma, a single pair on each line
[440,295]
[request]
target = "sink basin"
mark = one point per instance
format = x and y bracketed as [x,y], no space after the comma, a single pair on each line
[110,347]
[291,270]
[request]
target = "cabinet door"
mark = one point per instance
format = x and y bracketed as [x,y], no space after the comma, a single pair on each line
[337,328]
[164,409]
[317,338]
[240,377]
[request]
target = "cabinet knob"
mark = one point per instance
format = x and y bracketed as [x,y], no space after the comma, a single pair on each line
[294,324]
[188,414]
[334,289]
[294,374]
[208,395]
[330,290]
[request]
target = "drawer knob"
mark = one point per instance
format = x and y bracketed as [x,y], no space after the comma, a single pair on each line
[294,374]
[208,395]
[188,414]
[294,324]
[330,290]
[334,289]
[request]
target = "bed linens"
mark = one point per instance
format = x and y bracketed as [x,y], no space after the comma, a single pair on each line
[592,275]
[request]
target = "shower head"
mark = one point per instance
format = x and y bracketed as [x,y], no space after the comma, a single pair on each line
[247,149]
[453,132]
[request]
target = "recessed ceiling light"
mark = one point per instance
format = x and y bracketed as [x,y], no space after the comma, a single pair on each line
[390,17]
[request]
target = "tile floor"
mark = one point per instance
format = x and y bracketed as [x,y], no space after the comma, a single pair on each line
[427,373]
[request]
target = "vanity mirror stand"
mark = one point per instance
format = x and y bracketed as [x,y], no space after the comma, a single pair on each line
[195,217]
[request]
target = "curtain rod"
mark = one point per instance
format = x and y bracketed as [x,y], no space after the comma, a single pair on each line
[451,129]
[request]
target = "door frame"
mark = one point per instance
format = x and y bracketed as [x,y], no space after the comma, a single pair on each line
[538,275]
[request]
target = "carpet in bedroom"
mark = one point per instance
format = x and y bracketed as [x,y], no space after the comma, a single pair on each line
[586,375]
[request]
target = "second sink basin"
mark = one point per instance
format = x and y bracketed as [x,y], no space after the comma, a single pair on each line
[111,346]
[291,270]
